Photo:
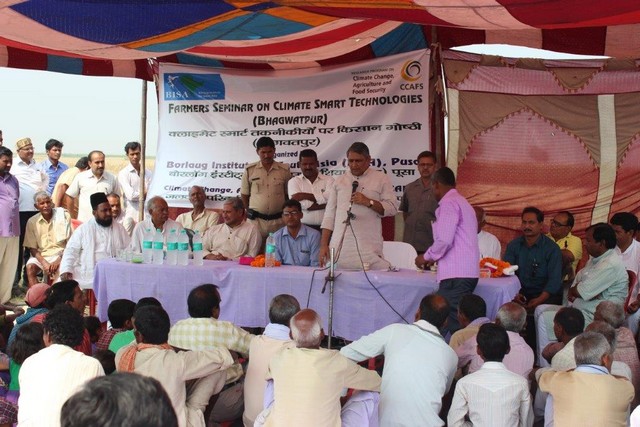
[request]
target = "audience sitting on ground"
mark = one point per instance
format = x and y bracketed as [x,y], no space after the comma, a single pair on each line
[93,325]
[28,341]
[625,348]
[308,381]
[588,395]
[120,312]
[276,335]
[67,292]
[513,318]
[35,300]
[203,331]
[493,395]
[407,372]
[472,312]
[126,337]
[50,376]
[568,323]
[190,378]
[122,399]
[107,359]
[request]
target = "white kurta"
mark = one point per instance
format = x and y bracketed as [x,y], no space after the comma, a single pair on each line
[367,226]
[129,182]
[31,180]
[89,244]
[47,379]
[489,245]
[138,232]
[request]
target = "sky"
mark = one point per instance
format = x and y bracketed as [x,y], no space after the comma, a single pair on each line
[83,112]
[103,113]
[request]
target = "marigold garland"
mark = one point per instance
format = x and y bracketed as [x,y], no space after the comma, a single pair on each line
[259,261]
[495,265]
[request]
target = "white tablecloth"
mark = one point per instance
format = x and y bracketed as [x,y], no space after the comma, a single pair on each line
[246,292]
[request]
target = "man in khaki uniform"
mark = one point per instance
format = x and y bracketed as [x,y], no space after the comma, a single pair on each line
[264,188]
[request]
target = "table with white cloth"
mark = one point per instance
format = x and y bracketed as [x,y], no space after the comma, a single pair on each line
[246,292]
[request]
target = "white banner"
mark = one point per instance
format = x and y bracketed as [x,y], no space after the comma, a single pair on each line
[210,120]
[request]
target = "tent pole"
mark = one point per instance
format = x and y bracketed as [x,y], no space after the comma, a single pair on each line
[438,116]
[143,149]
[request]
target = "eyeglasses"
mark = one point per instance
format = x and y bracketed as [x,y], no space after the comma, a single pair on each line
[557,224]
[290,213]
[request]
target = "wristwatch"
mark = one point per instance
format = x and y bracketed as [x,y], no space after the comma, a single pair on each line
[371,203]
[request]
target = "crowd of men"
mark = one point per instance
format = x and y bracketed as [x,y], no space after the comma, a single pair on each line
[570,332]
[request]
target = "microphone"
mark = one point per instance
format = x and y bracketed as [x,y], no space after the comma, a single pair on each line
[354,187]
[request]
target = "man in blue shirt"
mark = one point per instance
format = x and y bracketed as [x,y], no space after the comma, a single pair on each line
[539,260]
[52,165]
[296,243]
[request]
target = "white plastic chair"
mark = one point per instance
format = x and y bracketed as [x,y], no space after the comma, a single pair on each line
[399,254]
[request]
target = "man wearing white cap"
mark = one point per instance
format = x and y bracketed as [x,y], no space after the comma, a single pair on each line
[31,180]
[96,239]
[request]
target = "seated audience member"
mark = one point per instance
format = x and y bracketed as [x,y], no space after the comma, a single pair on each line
[120,312]
[6,322]
[96,239]
[488,244]
[93,325]
[152,356]
[67,292]
[122,399]
[46,236]
[29,341]
[50,376]
[296,243]
[493,395]
[118,216]
[308,380]
[262,348]
[570,245]
[618,367]
[158,219]
[199,219]
[107,359]
[602,278]
[584,396]
[568,323]
[235,238]
[624,224]
[127,337]
[519,360]
[203,331]
[472,312]
[412,385]
[625,348]
[539,260]
[35,300]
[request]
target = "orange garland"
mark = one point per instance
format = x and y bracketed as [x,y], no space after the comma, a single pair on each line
[501,265]
[259,261]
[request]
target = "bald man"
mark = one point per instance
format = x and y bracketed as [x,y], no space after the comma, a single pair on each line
[308,380]
[199,219]
[158,219]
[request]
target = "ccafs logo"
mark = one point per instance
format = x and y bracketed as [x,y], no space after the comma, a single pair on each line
[189,86]
[411,72]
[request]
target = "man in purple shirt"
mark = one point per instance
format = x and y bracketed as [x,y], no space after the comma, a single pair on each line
[9,224]
[455,245]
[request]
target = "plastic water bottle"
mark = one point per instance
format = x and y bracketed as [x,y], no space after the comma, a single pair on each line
[197,249]
[158,247]
[147,246]
[172,248]
[183,248]
[270,251]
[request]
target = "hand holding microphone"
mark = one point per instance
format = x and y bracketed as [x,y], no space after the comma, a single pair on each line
[354,187]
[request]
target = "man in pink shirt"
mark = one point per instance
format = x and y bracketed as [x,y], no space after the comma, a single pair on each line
[455,244]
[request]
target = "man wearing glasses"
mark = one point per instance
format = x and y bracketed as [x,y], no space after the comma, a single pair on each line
[570,245]
[296,243]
